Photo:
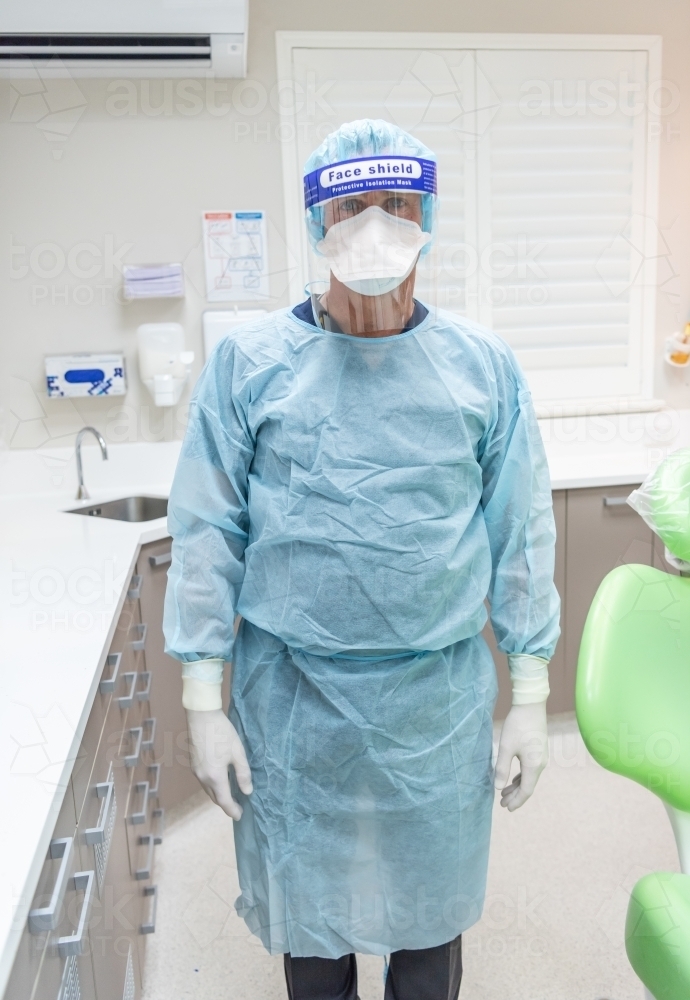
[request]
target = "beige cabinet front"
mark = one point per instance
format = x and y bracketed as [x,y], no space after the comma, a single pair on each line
[596,531]
[102,834]
[54,957]
[602,532]
[171,751]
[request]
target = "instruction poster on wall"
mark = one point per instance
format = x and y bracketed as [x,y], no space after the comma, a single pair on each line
[235,256]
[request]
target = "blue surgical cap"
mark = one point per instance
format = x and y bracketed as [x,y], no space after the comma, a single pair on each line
[367,137]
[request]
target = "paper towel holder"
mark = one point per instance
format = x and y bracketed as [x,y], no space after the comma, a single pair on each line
[164,363]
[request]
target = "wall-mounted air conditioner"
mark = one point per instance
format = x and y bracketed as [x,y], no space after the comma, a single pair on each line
[124,38]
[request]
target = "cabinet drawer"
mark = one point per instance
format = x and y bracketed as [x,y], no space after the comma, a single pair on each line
[145,774]
[171,747]
[143,838]
[118,909]
[58,924]
[51,889]
[145,820]
[603,532]
[67,970]
[126,729]
[103,809]
[116,684]
[111,680]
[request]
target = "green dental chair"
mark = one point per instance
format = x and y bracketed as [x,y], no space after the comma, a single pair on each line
[633,709]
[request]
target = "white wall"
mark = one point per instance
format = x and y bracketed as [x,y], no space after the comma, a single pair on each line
[134,185]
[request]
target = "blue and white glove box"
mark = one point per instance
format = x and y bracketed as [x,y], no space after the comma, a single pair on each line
[86,375]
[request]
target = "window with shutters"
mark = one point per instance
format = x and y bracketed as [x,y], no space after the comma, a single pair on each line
[547,158]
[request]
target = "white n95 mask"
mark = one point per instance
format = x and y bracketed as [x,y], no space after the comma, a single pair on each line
[373,252]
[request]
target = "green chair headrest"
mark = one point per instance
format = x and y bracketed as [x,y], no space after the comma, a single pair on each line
[633,680]
[663,501]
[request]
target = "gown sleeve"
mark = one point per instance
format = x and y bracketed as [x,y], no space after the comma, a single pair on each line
[208,518]
[518,513]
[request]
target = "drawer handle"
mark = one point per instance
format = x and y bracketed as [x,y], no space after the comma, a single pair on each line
[147,744]
[162,560]
[127,700]
[74,944]
[138,644]
[132,759]
[46,918]
[107,685]
[134,587]
[146,693]
[145,872]
[140,817]
[96,834]
[157,769]
[159,814]
[615,501]
[149,926]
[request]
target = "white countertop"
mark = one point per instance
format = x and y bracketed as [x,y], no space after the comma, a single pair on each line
[64,579]
[616,449]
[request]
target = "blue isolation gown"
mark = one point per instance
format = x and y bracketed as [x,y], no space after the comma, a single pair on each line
[356,501]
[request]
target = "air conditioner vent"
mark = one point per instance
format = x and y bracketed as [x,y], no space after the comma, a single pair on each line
[130,48]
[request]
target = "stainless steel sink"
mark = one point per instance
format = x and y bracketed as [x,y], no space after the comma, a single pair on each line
[126,509]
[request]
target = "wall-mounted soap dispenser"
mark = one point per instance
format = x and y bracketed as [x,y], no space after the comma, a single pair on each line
[163,361]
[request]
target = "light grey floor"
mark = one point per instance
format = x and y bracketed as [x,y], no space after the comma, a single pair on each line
[560,874]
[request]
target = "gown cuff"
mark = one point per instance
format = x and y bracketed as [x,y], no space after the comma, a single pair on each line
[202,681]
[529,676]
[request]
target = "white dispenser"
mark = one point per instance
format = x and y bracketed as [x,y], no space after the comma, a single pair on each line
[163,361]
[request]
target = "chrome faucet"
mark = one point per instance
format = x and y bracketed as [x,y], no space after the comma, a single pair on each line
[82,492]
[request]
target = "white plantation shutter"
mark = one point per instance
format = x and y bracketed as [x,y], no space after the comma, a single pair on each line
[547,186]
[565,195]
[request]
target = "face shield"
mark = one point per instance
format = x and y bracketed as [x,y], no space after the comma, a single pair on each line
[370,223]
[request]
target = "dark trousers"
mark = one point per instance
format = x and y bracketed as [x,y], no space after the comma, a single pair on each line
[427,974]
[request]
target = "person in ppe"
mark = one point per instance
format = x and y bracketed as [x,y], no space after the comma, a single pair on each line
[359,474]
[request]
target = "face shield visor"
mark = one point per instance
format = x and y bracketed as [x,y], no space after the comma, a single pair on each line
[370,223]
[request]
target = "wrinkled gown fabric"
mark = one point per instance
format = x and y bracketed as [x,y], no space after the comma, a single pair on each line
[355,501]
